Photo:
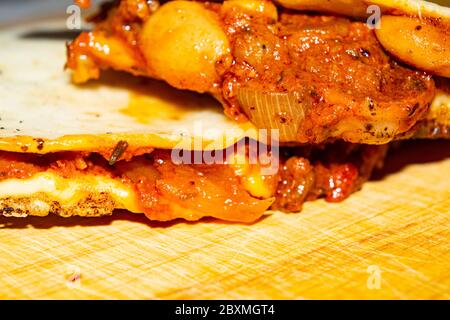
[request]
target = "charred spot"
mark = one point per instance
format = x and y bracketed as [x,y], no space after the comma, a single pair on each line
[314,94]
[369,127]
[418,27]
[364,52]
[24,148]
[8,209]
[55,208]
[283,117]
[418,84]
[40,143]
[317,98]
[371,105]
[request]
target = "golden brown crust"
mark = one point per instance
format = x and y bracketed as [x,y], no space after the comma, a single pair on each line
[40,204]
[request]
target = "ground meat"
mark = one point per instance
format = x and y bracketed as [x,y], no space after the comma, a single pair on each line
[348,87]
[16,165]
[334,173]
[296,182]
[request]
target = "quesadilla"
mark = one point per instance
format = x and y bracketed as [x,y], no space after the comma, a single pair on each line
[127,141]
[88,150]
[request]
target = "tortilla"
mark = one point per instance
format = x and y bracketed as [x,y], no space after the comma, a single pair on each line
[358,8]
[42,111]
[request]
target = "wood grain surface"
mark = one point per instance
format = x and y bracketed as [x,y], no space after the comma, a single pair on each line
[390,240]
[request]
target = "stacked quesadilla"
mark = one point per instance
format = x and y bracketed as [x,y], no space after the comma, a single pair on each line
[186,109]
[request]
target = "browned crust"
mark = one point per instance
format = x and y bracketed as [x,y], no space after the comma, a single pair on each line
[40,204]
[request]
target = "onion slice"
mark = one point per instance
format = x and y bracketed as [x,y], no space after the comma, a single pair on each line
[274,110]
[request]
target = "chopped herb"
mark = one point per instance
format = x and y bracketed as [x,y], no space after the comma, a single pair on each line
[118,151]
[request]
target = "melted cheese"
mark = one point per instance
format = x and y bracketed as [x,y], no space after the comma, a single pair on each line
[252,180]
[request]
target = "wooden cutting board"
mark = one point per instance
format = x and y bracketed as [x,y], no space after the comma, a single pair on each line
[390,240]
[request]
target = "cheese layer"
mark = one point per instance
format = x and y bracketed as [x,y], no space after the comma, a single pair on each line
[48,192]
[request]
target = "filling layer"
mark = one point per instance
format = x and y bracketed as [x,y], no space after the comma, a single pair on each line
[315,78]
[153,184]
